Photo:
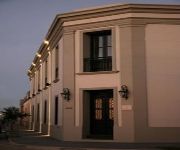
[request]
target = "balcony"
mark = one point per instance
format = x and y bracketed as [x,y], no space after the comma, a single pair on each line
[98,64]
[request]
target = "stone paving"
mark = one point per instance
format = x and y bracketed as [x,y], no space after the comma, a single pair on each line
[29,140]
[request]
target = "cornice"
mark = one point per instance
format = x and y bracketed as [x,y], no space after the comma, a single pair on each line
[117,9]
[56,29]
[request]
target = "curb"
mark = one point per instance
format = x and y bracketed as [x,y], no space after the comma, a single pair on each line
[42,147]
[14,143]
[32,146]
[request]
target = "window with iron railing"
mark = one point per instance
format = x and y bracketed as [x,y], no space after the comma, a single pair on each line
[46,72]
[46,80]
[57,62]
[33,86]
[98,64]
[39,80]
[97,51]
[45,111]
[38,112]
[56,73]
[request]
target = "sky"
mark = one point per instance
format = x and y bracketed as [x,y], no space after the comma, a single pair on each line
[23,26]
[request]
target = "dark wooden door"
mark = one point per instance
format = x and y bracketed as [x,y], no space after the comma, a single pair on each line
[101,112]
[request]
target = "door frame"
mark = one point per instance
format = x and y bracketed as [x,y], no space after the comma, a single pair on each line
[84,109]
[101,125]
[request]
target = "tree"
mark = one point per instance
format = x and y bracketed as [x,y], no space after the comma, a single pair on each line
[11,116]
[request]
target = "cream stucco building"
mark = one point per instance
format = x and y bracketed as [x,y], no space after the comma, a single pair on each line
[109,73]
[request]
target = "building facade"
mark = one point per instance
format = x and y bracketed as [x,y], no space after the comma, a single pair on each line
[109,73]
[25,108]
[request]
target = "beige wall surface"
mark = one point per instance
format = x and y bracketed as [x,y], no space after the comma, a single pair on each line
[121,74]
[146,58]
[98,81]
[56,89]
[163,74]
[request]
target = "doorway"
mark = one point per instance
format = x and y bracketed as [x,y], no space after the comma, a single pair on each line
[101,114]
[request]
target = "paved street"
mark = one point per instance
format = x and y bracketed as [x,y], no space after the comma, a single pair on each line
[6,145]
[29,140]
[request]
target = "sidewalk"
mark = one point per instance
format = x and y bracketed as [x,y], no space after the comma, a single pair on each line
[35,140]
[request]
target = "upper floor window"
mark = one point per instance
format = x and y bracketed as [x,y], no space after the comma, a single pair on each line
[57,62]
[39,79]
[33,86]
[46,73]
[38,112]
[97,51]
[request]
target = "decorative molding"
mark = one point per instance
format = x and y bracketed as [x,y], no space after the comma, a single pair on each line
[98,72]
[56,30]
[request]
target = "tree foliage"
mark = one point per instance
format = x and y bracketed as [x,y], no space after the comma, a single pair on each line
[11,115]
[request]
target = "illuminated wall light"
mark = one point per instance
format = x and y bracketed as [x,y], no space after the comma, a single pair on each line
[40,60]
[46,42]
[33,64]
[48,48]
[38,55]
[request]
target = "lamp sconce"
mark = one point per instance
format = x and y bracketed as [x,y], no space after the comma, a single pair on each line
[66,93]
[124,92]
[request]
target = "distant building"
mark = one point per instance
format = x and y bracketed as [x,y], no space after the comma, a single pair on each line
[109,73]
[25,108]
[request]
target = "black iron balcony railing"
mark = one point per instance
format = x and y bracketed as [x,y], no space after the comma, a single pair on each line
[98,64]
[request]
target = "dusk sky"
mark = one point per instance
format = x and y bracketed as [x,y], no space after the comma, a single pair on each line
[23,26]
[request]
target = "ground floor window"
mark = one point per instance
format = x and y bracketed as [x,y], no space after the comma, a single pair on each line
[33,113]
[45,112]
[38,112]
[56,111]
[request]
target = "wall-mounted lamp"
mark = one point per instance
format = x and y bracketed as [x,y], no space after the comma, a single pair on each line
[38,55]
[46,42]
[33,64]
[66,93]
[124,92]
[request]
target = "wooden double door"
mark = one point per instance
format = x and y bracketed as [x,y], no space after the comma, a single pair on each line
[101,113]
